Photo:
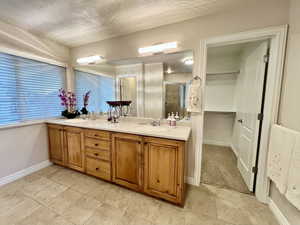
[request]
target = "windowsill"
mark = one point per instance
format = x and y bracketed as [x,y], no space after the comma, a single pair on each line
[25,124]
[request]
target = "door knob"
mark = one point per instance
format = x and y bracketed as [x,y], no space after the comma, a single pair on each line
[240,121]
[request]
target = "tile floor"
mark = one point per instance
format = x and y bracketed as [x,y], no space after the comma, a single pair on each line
[219,168]
[59,196]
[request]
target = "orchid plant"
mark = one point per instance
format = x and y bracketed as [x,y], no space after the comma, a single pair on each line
[86,97]
[68,99]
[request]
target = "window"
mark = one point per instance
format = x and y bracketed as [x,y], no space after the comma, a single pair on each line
[28,89]
[102,89]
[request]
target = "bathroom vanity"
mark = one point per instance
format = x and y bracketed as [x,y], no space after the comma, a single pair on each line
[140,157]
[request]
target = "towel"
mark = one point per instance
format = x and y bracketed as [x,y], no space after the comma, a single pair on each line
[293,186]
[282,142]
[195,96]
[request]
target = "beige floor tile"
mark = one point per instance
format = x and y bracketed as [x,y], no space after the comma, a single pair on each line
[198,219]
[150,207]
[35,184]
[231,214]
[64,177]
[101,191]
[201,200]
[108,215]
[86,184]
[50,192]
[10,201]
[48,171]
[169,215]
[42,216]
[118,197]
[21,211]
[108,204]
[64,200]
[12,188]
[81,210]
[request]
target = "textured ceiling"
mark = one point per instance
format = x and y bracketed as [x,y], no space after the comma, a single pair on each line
[78,22]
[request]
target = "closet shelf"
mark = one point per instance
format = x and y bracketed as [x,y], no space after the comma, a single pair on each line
[220,110]
[223,73]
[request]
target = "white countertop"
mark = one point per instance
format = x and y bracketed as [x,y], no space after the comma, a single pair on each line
[178,133]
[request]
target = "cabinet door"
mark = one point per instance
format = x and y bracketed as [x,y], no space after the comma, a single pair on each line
[164,170]
[126,159]
[56,149]
[74,148]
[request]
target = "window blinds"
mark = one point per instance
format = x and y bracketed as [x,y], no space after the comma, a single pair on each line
[102,89]
[28,89]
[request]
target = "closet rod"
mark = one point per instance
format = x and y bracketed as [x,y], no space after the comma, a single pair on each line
[225,73]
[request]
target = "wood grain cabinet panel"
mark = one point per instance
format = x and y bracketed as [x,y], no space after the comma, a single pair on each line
[127,160]
[98,168]
[163,169]
[56,147]
[74,148]
[97,143]
[105,135]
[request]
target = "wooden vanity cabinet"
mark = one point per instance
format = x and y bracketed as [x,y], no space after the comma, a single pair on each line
[154,166]
[56,147]
[127,160]
[164,169]
[74,148]
[66,146]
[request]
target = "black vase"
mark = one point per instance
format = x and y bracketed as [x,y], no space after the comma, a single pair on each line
[70,115]
[84,111]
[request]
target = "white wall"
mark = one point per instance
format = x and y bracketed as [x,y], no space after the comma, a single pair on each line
[218,128]
[22,147]
[25,146]
[189,34]
[290,106]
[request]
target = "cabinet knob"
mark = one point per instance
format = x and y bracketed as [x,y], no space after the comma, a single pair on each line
[96,154]
[96,135]
[240,121]
[96,144]
[97,168]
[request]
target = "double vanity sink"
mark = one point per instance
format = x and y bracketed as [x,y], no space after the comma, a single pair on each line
[138,156]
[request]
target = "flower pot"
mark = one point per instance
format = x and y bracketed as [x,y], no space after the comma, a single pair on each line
[70,115]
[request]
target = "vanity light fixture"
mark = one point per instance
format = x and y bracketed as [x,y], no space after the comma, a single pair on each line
[158,48]
[188,61]
[90,60]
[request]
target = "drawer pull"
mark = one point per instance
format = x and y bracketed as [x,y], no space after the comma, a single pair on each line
[97,168]
[96,154]
[96,135]
[96,144]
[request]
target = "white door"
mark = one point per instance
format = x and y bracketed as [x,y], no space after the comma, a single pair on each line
[250,101]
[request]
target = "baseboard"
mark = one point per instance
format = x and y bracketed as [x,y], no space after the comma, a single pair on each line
[190,180]
[218,143]
[282,220]
[24,172]
[234,150]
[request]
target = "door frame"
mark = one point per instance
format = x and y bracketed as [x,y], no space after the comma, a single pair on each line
[278,38]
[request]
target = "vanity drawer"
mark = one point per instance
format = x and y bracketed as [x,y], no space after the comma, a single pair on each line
[97,143]
[98,168]
[97,134]
[98,153]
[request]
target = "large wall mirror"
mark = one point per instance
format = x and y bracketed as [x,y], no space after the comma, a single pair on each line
[155,85]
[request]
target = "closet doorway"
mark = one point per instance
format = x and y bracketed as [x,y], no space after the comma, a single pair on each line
[233,108]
